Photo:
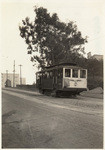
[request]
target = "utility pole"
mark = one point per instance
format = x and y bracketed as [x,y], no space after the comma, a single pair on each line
[20,75]
[6,78]
[14,74]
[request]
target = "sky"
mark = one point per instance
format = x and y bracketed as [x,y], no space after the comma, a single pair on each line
[89,16]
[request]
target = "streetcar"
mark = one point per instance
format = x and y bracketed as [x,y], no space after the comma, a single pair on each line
[62,78]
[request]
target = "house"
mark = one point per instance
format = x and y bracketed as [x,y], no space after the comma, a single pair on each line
[11,80]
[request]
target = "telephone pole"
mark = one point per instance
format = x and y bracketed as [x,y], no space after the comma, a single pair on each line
[20,75]
[6,78]
[14,74]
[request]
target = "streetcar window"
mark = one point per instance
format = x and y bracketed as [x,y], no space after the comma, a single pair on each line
[75,73]
[51,74]
[82,73]
[40,74]
[45,75]
[67,72]
[60,73]
[37,76]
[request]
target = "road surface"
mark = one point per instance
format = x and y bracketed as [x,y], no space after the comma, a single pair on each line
[32,120]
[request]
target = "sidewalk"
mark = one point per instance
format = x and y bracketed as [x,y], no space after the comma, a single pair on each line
[22,91]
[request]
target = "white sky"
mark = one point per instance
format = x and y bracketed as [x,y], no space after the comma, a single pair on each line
[88,14]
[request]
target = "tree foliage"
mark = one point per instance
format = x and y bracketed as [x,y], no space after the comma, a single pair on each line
[95,68]
[51,41]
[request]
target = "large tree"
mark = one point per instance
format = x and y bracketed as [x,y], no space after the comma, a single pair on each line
[51,41]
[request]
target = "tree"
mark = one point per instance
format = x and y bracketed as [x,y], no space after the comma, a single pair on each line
[95,68]
[95,73]
[51,41]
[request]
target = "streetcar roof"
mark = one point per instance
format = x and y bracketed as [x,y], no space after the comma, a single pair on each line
[63,65]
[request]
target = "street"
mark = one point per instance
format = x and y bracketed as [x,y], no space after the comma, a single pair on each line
[33,120]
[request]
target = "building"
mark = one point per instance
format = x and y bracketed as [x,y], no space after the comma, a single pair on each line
[89,55]
[95,56]
[23,80]
[9,80]
[98,57]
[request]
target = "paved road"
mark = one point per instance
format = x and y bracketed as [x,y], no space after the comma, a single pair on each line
[31,120]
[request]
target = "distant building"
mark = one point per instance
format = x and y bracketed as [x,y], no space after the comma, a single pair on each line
[23,80]
[8,80]
[95,56]
[89,55]
[98,57]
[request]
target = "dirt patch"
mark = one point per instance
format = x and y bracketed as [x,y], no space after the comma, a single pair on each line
[7,115]
[94,93]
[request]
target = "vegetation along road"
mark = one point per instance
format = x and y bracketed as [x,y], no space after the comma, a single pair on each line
[32,120]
